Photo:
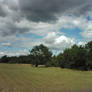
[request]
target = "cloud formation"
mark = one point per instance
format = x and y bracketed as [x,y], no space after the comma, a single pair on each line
[46,10]
[21,16]
[58,42]
[20,52]
[44,18]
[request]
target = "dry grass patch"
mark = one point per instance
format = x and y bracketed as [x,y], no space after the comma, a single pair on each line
[23,78]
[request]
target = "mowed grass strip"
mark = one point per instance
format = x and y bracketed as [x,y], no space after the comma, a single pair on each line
[25,78]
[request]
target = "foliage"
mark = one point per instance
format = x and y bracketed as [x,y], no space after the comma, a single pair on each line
[41,55]
[52,62]
[76,57]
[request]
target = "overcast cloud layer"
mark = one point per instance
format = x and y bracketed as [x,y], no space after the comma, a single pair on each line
[25,23]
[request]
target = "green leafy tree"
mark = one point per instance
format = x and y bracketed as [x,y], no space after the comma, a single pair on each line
[79,57]
[53,62]
[41,55]
[5,59]
[74,58]
[88,47]
[65,59]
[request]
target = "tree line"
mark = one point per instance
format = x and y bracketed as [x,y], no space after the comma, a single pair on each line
[76,57]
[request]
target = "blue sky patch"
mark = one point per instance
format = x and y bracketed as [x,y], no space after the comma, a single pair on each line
[73,33]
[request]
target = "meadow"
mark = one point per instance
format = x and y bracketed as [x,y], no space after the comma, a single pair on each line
[25,78]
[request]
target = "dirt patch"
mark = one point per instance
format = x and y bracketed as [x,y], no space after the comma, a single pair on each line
[26,64]
[41,66]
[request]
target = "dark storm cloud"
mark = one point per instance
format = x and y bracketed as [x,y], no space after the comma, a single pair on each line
[13,30]
[9,28]
[46,10]
[82,10]
[37,11]
[2,11]
[12,4]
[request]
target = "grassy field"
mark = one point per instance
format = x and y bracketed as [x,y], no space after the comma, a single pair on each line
[24,78]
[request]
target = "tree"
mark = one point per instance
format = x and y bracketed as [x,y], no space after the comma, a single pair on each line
[79,57]
[74,58]
[88,47]
[65,59]
[41,55]
[53,62]
[5,59]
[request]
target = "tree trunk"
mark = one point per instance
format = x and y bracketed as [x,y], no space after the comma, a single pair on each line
[36,65]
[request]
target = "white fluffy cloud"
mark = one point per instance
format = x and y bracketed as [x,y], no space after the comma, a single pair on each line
[58,42]
[52,37]
[6,44]
[42,28]
[87,27]
[81,43]
[18,53]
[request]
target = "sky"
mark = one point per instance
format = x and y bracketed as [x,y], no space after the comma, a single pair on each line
[58,24]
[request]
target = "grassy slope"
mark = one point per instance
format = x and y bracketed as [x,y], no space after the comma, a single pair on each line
[23,78]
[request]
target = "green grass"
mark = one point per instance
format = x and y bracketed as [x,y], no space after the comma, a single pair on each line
[24,78]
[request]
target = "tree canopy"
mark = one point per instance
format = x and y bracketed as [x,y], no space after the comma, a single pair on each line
[76,57]
[41,54]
